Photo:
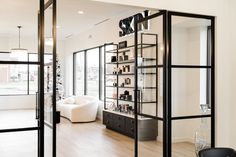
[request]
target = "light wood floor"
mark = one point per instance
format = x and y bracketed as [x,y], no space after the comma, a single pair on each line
[78,140]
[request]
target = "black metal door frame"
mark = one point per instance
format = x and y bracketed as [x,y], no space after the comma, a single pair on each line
[167,79]
[43,7]
[207,67]
[40,63]
[163,119]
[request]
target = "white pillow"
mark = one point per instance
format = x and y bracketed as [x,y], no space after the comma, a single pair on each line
[69,100]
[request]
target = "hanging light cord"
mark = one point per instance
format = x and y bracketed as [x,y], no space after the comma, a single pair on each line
[19,27]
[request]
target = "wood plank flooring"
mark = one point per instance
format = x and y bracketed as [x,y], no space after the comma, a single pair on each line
[78,140]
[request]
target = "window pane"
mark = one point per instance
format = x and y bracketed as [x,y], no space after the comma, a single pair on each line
[33,71]
[189,136]
[189,41]
[93,72]
[33,79]
[8,56]
[13,79]
[79,73]
[33,57]
[190,93]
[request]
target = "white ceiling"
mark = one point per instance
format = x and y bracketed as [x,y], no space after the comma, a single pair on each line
[24,12]
[18,12]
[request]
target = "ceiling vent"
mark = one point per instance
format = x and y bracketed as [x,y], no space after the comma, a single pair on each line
[68,36]
[101,22]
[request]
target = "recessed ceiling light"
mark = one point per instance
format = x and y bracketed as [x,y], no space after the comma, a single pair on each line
[80,12]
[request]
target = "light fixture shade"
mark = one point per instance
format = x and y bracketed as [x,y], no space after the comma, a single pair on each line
[19,50]
[19,53]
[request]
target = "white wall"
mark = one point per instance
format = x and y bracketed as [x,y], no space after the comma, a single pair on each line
[232,76]
[225,13]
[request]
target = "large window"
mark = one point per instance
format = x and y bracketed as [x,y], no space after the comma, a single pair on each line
[88,72]
[17,79]
[93,72]
[79,78]
[13,79]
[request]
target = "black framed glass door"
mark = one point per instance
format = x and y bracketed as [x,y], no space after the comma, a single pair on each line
[191,83]
[49,77]
[175,84]
[21,124]
[149,85]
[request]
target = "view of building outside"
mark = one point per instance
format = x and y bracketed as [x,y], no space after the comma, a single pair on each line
[19,79]
[79,75]
[13,79]
[93,72]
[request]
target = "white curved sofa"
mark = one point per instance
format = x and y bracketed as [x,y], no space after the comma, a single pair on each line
[79,108]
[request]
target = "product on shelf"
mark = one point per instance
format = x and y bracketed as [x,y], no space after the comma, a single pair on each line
[113,59]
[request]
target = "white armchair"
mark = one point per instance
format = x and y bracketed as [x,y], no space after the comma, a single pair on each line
[79,108]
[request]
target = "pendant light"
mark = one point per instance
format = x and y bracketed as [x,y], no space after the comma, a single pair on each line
[16,52]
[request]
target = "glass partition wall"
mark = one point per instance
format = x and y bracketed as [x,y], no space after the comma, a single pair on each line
[191,82]
[183,106]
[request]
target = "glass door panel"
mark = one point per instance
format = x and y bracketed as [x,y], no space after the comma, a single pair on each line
[149,87]
[192,83]
[18,36]
[49,79]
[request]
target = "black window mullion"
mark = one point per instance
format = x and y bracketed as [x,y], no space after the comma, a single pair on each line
[208,75]
[28,76]
[100,66]
[74,73]
[85,72]
[100,73]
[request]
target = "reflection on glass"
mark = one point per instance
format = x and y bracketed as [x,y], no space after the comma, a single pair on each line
[148,91]
[202,134]
[150,138]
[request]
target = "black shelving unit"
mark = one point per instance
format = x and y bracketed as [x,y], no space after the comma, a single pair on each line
[118,88]
[142,68]
[116,51]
